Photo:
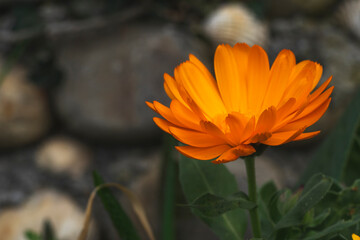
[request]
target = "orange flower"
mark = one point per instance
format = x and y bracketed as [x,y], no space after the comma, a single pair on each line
[355,237]
[250,103]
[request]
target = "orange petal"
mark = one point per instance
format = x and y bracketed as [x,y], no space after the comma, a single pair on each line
[309,119]
[266,120]
[211,128]
[166,113]
[355,237]
[257,77]
[201,66]
[236,126]
[184,115]
[285,109]
[241,53]
[283,137]
[195,139]
[151,105]
[248,130]
[318,73]
[202,153]
[305,136]
[318,91]
[172,87]
[296,134]
[168,91]
[316,102]
[202,90]
[259,137]
[279,77]
[195,108]
[163,124]
[300,70]
[234,153]
[228,77]
[303,71]
[301,82]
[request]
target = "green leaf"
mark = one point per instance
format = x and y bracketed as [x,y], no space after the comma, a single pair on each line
[338,155]
[267,193]
[211,205]
[119,218]
[273,208]
[30,235]
[319,219]
[200,177]
[334,229]
[309,197]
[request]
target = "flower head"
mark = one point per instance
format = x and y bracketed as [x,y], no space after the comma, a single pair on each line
[355,237]
[249,103]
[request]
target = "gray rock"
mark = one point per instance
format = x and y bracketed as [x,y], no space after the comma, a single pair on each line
[136,169]
[109,78]
[64,155]
[65,216]
[24,113]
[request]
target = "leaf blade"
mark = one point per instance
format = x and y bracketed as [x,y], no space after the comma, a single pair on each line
[309,198]
[119,218]
[200,177]
[211,205]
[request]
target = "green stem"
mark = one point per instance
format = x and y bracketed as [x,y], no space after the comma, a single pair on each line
[254,216]
[168,211]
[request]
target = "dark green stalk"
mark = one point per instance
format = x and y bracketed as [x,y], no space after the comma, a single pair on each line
[168,210]
[254,216]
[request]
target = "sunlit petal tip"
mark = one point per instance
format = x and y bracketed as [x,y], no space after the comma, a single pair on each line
[151,105]
[211,128]
[241,45]
[162,124]
[193,58]
[305,136]
[195,138]
[234,153]
[355,237]
[296,134]
[259,48]
[166,75]
[206,153]
[259,137]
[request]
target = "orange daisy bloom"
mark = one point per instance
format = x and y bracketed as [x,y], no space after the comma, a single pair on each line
[248,104]
[355,237]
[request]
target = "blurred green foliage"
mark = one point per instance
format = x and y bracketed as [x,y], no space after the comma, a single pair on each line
[47,233]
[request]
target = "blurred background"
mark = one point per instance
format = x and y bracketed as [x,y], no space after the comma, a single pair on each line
[75,75]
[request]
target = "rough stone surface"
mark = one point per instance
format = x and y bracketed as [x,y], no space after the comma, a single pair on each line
[63,155]
[137,169]
[63,214]
[109,78]
[24,115]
